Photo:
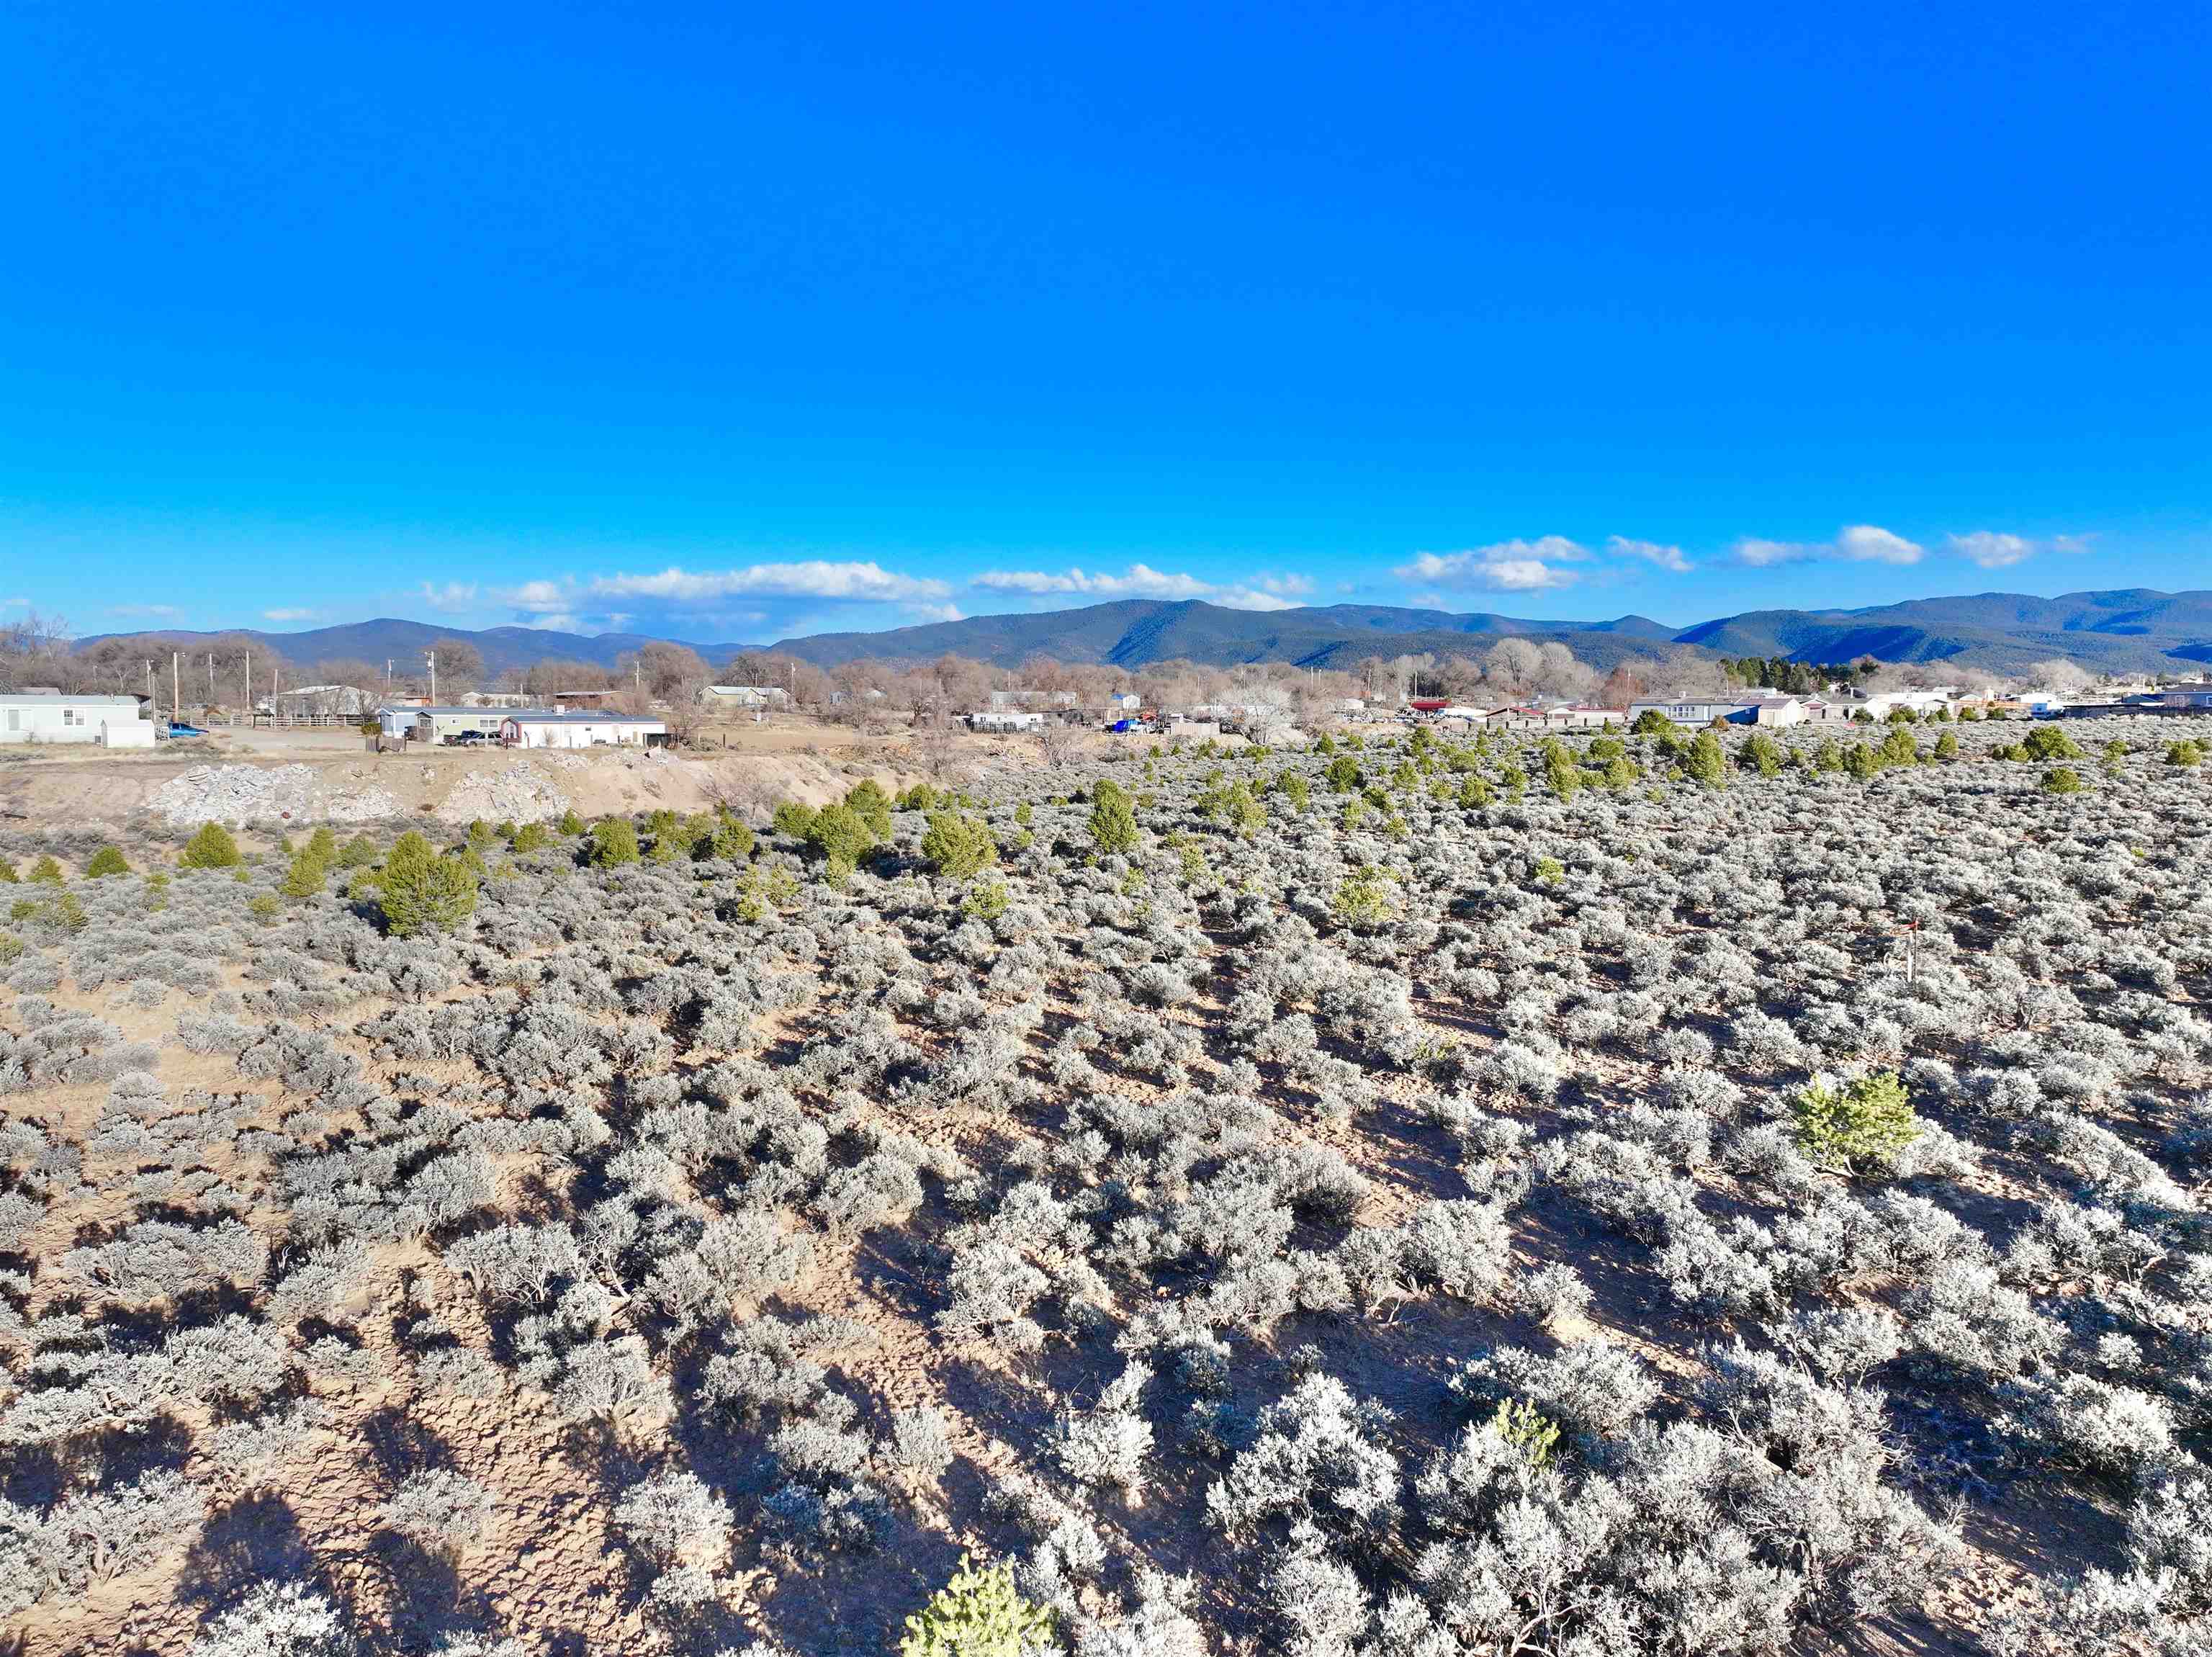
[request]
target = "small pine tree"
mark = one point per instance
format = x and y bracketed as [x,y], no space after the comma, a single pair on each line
[2061,779]
[977,1614]
[1855,1125]
[211,848]
[531,836]
[360,852]
[108,860]
[957,845]
[1520,1425]
[1560,771]
[46,872]
[841,837]
[420,892]
[1363,899]
[986,899]
[1113,819]
[1762,755]
[304,879]
[570,824]
[1947,746]
[732,841]
[614,842]
[873,805]
[1707,761]
[2049,742]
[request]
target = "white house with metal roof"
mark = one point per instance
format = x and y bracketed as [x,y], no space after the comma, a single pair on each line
[110,721]
[581,728]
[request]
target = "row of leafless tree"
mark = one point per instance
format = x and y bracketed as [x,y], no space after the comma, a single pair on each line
[37,650]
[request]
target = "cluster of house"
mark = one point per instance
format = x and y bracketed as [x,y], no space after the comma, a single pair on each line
[1775,708]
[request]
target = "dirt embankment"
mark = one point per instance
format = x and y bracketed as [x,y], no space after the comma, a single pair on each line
[451,787]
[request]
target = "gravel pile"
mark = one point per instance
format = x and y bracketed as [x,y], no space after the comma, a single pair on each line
[524,794]
[246,793]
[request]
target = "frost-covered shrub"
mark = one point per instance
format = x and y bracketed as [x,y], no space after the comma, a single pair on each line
[673,1518]
[1107,1444]
[276,1620]
[1590,1387]
[920,1445]
[439,1511]
[1316,1458]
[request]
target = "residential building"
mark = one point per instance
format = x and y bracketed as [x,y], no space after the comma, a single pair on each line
[295,701]
[109,720]
[436,726]
[580,727]
[745,697]
[1756,708]
[2194,695]
[1004,719]
[572,701]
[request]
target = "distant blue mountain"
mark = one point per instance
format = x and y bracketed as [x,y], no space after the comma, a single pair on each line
[2129,630]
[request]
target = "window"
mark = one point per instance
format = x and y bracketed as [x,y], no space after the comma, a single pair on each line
[69,716]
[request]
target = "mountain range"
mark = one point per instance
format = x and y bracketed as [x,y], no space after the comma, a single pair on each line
[2129,630]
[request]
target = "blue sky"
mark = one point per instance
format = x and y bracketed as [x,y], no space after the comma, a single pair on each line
[729,324]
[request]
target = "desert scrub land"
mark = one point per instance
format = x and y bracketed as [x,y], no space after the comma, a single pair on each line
[1669,1193]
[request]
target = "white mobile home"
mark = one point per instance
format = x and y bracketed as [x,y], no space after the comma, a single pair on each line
[1001,720]
[581,728]
[110,721]
[440,725]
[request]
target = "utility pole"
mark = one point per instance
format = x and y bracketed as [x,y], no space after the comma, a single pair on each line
[387,679]
[432,655]
[210,679]
[247,661]
[176,690]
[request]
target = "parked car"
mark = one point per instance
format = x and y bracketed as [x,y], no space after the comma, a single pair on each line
[468,739]
[176,729]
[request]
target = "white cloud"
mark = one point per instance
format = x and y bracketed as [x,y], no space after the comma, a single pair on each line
[1142,582]
[454,595]
[1515,566]
[15,604]
[812,578]
[288,615]
[151,612]
[1762,555]
[1667,557]
[535,598]
[936,613]
[1857,543]
[1991,548]
[1994,550]
[1865,543]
